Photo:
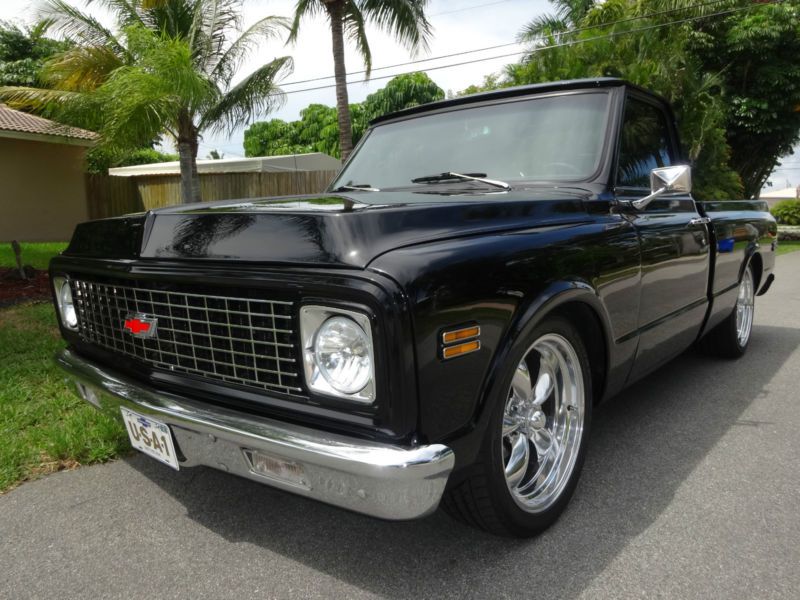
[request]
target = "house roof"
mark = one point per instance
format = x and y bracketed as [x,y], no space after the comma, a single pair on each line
[789,193]
[288,163]
[20,125]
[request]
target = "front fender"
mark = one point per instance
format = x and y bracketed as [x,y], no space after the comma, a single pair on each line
[504,283]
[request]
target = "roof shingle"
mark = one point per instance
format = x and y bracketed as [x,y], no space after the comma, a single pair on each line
[15,120]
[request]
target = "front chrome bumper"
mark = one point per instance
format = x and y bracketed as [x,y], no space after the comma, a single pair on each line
[381,480]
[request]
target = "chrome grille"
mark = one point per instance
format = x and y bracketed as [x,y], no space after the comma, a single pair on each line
[248,341]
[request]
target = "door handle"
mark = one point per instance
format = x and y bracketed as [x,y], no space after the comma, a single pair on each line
[700,221]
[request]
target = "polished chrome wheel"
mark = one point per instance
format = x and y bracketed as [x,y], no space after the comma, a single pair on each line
[744,308]
[543,423]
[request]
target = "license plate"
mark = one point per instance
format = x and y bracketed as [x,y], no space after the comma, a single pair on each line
[151,437]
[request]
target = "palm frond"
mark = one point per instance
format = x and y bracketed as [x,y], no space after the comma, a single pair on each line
[39,29]
[145,99]
[404,19]
[126,12]
[542,27]
[262,30]
[79,26]
[255,95]
[82,68]
[69,107]
[214,21]
[356,32]
[303,8]
[35,100]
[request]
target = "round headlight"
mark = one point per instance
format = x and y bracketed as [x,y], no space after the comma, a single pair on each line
[343,354]
[68,314]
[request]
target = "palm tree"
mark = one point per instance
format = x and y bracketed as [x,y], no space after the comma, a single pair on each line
[568,15]
[405,19]
[165,70]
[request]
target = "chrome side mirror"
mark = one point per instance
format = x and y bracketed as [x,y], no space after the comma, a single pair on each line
[675,179]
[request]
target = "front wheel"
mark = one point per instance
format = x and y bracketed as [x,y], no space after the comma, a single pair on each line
[730,338]
[533,451]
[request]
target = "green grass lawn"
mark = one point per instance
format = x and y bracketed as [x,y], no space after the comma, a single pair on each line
[786,247]
[44,426]
[37,255]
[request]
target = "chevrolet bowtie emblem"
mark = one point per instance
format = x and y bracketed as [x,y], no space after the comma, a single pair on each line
[141,326]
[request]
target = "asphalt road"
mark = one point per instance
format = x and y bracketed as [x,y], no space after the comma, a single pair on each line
[691,490]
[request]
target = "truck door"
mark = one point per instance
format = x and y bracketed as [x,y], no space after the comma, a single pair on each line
[673,237]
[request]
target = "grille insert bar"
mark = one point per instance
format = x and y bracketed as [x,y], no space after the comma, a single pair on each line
[246,341]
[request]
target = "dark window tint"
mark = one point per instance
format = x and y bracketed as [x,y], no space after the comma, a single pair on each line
[645,144]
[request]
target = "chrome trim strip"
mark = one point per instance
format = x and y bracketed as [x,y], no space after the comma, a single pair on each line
[381,480]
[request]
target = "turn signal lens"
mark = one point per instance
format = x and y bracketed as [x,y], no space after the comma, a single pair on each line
[66,307]
[459,349]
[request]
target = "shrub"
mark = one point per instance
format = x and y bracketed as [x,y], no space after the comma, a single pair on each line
[787,212]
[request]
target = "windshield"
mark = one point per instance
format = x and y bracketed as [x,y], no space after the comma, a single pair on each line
[550,138]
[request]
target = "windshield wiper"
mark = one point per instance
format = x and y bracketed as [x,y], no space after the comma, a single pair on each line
[361,187]
[462,176]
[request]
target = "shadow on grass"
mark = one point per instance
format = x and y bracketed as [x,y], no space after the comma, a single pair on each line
[644,444]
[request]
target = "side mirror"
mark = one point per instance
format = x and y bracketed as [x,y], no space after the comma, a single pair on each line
[675,179]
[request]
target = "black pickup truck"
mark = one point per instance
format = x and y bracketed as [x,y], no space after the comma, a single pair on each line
[438,325]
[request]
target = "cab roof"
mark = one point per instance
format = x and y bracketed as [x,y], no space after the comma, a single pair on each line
[522,90]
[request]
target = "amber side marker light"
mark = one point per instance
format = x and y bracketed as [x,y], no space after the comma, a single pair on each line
[463,340]
[457,335]
[459,349]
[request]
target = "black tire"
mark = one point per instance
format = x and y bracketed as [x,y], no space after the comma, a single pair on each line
[481,497]
[725,340]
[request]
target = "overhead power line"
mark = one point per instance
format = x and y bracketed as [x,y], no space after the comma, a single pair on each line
[613,34]
[455,10]
[516,43]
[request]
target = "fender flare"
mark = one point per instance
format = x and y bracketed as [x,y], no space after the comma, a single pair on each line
[527,317]
[753,247]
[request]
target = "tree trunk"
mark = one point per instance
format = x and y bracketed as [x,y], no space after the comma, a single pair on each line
[187,153]
[336,16]
[18,257]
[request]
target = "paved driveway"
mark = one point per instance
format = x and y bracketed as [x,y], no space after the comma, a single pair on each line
[691,490]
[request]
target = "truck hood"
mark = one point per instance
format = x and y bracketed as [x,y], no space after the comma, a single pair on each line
[338,230]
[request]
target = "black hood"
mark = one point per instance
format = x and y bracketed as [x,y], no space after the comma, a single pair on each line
[325,230]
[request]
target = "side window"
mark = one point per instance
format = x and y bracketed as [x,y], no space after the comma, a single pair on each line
[645,144]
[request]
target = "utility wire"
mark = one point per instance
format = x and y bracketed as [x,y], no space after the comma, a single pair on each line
[455,10]
[506,45]
[550,47]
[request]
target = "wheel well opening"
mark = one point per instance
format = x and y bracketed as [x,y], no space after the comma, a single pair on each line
[591,331]
[758,268]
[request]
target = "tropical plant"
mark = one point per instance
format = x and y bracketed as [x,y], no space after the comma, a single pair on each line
[787,212]
[23,52]
[317,129]
[404,19]
[165,70]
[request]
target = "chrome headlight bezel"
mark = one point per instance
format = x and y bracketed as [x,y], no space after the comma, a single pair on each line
[67,313]
[312,319]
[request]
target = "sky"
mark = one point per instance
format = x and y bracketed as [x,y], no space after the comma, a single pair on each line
[459,25]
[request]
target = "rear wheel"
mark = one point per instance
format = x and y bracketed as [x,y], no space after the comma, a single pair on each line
[533,451]
[730,338]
